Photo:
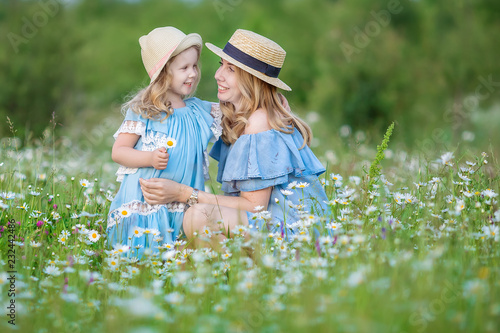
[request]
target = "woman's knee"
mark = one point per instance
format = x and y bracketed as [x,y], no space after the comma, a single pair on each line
[196,217]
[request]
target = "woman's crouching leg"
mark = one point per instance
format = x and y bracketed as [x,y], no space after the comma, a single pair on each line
[211,222]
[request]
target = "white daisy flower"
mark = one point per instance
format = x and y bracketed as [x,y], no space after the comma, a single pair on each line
[492,231]
[93,235]
[336,177]
[258,208]
[52,270]
[207,232]
[334,226]
[446,158]
[459,206]
[62,238]
[489,193]
[24,206]
[113,262]
[286,192]
[138,231]
[170,143]
[124,212]
[85,183]
[120,248]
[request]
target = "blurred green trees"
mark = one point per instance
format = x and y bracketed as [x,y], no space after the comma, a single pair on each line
[365,63]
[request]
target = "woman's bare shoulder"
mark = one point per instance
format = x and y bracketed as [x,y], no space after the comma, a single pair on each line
[257,122]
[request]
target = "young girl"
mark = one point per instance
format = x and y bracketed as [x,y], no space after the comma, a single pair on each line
[163,136]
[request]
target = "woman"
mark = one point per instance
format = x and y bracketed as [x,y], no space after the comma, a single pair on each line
[264,159]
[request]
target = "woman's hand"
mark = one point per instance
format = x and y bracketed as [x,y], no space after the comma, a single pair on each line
[284,102]
[159,158]
[158,191]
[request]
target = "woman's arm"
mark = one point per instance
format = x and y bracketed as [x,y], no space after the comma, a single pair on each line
[123,153]
[160,191]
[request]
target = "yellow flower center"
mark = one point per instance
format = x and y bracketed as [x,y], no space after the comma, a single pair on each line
[170,143]
[63,239]
[94,235]
[124,212]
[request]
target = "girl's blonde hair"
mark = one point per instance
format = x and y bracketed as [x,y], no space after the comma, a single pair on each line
[151,101]
[256,94]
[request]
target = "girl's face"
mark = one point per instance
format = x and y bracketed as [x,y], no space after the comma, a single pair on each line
[184,71]
[227,82]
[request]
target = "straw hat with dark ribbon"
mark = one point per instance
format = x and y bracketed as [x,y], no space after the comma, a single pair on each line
[254,54]
[163,43]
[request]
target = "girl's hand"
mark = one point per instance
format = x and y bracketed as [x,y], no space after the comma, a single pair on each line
[159,158]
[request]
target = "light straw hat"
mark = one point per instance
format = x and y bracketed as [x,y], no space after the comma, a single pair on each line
[254,54]
[163,43]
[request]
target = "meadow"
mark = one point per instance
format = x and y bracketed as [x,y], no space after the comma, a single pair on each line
[414,248]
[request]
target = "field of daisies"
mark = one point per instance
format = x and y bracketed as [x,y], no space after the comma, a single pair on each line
[415,249]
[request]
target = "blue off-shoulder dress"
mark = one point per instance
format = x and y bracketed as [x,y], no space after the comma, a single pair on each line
[274,159]
[192,127]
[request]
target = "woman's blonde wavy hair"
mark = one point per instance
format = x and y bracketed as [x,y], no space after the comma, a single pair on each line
[257,94]
[151,102]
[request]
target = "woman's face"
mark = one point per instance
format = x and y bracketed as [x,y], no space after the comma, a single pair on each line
[227,83]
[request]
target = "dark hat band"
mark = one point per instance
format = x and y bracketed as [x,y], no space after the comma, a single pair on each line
[250,61]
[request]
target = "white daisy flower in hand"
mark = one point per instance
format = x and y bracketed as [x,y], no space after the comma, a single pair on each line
[170,143]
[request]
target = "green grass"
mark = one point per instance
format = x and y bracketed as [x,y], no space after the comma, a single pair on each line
[405,258]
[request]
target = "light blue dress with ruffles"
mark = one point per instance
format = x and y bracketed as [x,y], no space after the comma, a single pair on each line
[192,127]
[274,159]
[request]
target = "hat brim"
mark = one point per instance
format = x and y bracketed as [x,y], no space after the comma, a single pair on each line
[271,80]
[193,39]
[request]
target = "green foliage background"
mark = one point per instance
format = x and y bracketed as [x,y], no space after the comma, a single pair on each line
[425,70]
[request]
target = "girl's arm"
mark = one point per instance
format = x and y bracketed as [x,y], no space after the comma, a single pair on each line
[161,191]
[125,154]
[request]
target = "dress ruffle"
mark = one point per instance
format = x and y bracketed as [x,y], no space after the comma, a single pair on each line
[265,159]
